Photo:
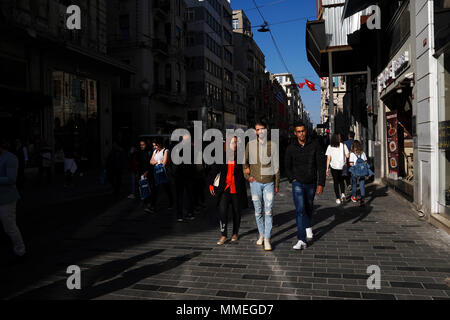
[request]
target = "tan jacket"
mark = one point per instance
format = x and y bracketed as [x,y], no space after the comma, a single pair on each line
[263,173]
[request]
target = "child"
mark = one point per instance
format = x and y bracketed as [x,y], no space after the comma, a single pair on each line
[359,170]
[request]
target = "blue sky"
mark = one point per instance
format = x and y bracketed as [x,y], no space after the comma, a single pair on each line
[290,38]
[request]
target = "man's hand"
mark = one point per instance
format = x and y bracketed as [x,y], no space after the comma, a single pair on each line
[211,190]
[277,190]
[319,190]
[251,179]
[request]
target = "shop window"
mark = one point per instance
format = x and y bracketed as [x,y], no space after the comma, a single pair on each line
[444,130]
[75,111]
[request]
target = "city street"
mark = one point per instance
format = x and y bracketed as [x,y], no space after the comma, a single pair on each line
[125,253]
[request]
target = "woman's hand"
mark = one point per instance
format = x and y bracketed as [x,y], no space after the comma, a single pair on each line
[328,172]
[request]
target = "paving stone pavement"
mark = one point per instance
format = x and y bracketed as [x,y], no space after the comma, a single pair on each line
[125,253]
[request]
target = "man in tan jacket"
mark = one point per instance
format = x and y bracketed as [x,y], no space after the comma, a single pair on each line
[262,170]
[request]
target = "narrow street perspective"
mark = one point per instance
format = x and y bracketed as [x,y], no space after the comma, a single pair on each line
[260,152]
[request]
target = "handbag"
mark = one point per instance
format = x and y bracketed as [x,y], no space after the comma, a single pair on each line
[144,188]
[160,174]
[345,167]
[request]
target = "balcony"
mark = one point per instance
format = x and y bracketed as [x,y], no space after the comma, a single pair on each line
[161,8]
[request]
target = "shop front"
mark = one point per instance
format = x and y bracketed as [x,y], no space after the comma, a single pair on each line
[75,116]
[395,86]
[444,131]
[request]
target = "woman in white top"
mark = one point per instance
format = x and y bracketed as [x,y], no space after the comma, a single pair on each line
[337,154]
[357,152]
[160,156]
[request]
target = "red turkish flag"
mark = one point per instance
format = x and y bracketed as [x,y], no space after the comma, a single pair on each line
[301,85]
[310,85]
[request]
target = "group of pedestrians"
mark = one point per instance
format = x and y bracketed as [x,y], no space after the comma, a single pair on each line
[306,166]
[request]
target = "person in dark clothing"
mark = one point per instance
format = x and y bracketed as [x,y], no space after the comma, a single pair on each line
[21,152]
[184,174]
[305,169]
[144,168]
[230,190]
[348,143]
[160,156]
[115,164]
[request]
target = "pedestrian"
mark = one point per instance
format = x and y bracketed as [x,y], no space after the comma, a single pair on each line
[45,164]
[360,170]
[115,165]
[144,168]
[8,198]
[21,153]
[227,184]
[184,174]
[133,168]
[305,169]
[264,183]
[337,154]
[160,158]
[348,143]
[70,167]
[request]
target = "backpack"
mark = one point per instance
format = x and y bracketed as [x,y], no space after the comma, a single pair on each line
[361,168]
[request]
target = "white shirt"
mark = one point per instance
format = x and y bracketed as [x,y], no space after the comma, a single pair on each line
[354,157]
[159,156]
[337,156]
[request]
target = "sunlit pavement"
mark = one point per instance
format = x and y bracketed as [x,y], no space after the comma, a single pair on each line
[125,253]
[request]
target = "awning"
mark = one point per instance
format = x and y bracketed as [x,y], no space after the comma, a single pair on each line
[345,58]
[353,6]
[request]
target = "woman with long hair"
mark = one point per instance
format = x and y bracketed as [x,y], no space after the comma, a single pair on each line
[356,154]
[337,154]
[160,157]
[227,184]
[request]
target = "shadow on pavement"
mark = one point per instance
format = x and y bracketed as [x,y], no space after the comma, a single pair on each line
[114,271]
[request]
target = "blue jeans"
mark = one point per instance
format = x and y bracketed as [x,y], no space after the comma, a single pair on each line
[263,192]
[304,204]
[362,182]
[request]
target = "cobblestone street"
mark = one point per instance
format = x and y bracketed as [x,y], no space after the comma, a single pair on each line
[125,253]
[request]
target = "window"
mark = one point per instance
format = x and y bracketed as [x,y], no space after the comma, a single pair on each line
[213,46]
[124,26]
[228,56]
[235,24]
[227,35]
[216,5]
[228,76]
[178,37]
[190,14]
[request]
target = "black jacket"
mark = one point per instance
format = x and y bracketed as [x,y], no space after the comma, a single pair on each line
[239,181]
[305,164]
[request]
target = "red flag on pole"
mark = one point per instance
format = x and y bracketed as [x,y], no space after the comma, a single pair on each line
[310,85]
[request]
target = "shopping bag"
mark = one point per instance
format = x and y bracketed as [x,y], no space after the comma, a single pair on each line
[160,174]
[144,188]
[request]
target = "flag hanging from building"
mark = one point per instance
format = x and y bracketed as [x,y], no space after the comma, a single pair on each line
[310,85]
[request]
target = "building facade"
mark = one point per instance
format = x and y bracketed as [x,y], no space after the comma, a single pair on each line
[56,83]
[151,37]
[210,55]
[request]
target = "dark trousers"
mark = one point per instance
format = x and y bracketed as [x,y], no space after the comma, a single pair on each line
[116,181]
[304,205]
[183,186]
[157,191]
[199,192]
[47,171]
[226,198]
[338,181]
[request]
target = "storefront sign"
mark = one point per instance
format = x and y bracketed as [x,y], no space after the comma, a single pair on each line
[393,71]
[392,144]
[444,135]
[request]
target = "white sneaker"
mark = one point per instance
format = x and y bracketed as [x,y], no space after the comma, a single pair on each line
[309,233]
[260,240]
[300,245]
[343,197]
[267,245]
[338,201]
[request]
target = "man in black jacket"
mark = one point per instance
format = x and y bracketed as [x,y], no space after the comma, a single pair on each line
[305,169]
